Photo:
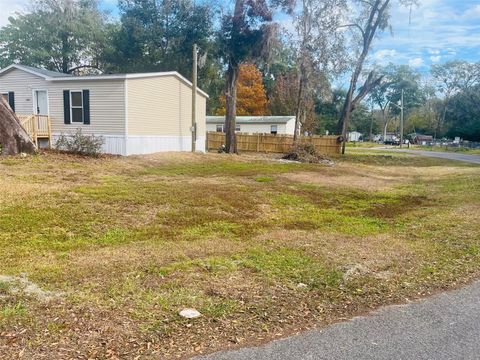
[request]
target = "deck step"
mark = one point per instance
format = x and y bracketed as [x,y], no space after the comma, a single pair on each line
[37,127]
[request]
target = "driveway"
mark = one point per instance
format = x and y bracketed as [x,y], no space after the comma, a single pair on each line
[446,326]
[474,159]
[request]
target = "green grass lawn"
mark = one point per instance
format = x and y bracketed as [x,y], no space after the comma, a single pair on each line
[99,255]
[364,144]
[448,149]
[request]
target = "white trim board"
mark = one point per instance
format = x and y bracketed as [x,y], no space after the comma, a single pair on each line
[103,77]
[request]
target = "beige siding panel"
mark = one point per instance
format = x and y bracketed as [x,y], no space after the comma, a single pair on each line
[201,116]
[162,106]
[22,83]
[107,101]
[107,106]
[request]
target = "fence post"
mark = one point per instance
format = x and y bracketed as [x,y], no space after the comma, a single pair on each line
[49,125]
[35,138]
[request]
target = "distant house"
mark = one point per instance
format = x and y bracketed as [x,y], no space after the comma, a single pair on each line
[355,136]
[134,113]
[391,138]
[422,139]
[284,125]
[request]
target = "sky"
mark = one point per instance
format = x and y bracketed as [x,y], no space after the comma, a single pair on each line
[439,31]
[436,32]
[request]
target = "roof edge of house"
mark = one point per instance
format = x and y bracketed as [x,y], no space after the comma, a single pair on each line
[104,77]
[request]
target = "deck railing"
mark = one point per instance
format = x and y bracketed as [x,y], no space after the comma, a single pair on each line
[37,127]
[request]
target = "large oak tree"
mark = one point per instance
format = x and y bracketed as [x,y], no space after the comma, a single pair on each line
[367,20]
[243,36]
[13,138]
[60,35]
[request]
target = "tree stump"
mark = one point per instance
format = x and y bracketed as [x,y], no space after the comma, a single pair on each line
[13,137]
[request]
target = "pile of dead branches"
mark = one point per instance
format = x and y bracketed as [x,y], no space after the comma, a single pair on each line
[306,153]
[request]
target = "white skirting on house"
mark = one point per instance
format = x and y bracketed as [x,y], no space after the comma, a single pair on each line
[200,145]
[112,144]
[146,144]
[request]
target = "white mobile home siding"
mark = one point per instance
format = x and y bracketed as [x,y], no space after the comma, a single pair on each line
[262,128]
[290,127]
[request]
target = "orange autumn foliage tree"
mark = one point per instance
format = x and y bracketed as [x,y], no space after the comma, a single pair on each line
[251,96]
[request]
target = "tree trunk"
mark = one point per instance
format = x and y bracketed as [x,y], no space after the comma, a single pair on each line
[303,76]
[368,33]
[231,108]
[370,133]
[441,119]
[300,107]
[13,138]
[347,109]
[385,123]
[65,53]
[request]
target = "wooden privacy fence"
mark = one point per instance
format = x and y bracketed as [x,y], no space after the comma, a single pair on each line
[270,143]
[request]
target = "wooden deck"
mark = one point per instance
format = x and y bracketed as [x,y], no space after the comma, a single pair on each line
[37,127]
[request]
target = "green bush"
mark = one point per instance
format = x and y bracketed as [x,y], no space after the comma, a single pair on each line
[79,143]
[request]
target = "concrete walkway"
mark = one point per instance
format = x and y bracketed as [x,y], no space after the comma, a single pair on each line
[446,326]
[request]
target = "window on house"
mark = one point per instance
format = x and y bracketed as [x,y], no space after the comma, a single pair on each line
[5,97]
[237,127]
[76,106]
[219,128]
[273,129]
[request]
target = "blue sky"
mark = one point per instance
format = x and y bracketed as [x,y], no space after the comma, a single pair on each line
[440,30]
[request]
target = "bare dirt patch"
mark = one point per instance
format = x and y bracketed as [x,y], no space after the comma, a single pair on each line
[20,285]
[357,179]
[374,252]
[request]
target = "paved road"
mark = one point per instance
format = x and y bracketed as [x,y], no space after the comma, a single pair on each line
[475,159]
[446,326]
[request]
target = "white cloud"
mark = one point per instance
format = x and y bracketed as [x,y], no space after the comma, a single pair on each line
[446,28]
[384,56]
[435,58]
[9,8]
[472,12]
[417,62]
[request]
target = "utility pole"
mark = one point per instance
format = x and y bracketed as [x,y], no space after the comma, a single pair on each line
[194,97]
[370,134]
[401,122]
